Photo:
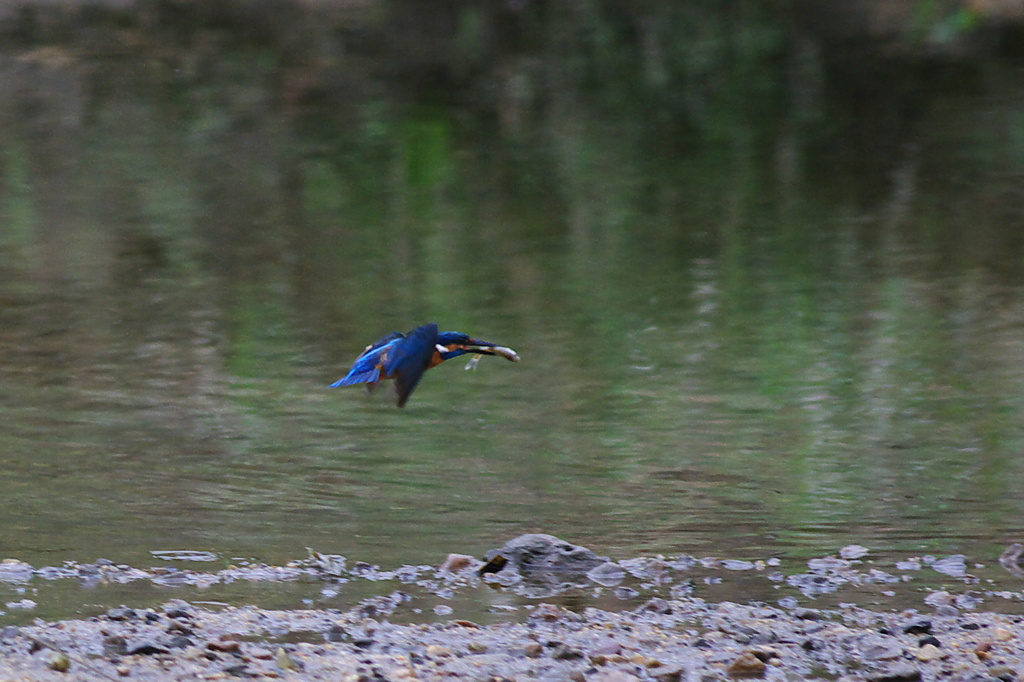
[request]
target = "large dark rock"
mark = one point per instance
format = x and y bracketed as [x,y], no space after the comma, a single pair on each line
[537,553]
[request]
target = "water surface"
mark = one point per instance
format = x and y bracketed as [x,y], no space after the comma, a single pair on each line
[752,340]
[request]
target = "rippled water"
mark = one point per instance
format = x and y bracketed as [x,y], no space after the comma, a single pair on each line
[714,360]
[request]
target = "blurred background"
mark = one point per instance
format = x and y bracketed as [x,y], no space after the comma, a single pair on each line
[763,262]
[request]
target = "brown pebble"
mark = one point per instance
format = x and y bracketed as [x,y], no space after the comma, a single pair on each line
[747,664]
[645,661]
[533,649]
[179,628]
[1003,672]
[548,612]
[438,651]
[666,673]
[765,654]
[1002,634]
[476,648]
[454,563]
[226,646]
[983,651]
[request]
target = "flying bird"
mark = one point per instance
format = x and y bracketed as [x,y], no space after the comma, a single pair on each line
[405,357]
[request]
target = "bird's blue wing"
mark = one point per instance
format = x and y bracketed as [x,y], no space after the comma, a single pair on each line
[415,349]
[383,341]
[366,368]
[369,376]
[411,359]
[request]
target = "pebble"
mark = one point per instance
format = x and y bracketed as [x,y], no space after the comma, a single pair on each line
[853,552]
[666,673]
[14,571]
[612,676]
[179,628]
[1004,673]
[259,652]
[283,660]
[747,664]
[454,563]
[563,652]
[59,661]
[656,605]
[939,598]
[226,646]
[954,566]
[121,613]
[882,652]
[548,612]
[902,672]
[115,645]
[146,649]
[179,642]
[608,574]
[921,627]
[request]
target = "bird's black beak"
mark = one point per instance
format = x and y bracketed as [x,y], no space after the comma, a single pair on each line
[486,348]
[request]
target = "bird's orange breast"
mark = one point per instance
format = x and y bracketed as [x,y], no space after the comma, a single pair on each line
[436,359]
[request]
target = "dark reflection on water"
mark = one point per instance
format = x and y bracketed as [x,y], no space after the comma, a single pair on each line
[757,340]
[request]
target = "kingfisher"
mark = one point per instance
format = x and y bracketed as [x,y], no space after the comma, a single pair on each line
[405,357]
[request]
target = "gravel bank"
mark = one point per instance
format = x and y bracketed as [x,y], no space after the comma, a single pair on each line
[654,628]
[663,640]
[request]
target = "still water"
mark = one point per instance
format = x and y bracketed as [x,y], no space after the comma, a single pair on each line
[766,341]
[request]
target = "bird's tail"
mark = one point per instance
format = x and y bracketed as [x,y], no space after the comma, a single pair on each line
[365,377]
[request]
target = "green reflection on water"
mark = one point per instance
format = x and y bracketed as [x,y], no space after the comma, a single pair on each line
[703,371]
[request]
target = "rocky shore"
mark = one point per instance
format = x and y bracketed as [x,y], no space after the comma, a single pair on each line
[663,640]
[551,635]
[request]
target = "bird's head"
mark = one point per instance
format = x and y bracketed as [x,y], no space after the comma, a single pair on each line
[454,344]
